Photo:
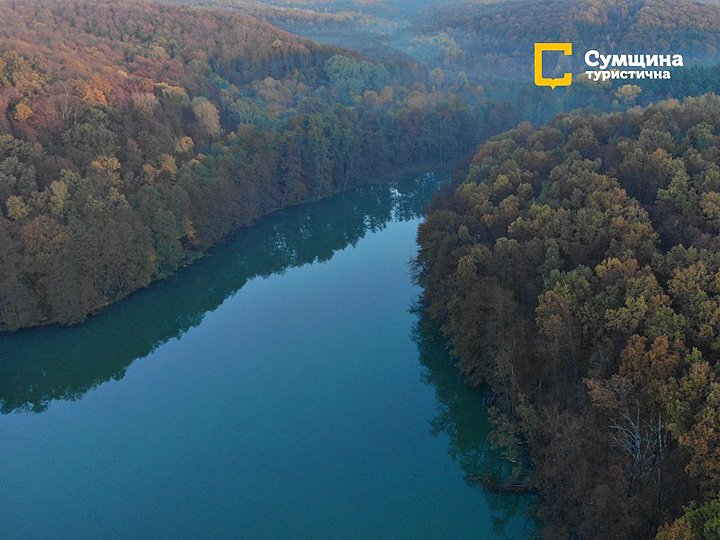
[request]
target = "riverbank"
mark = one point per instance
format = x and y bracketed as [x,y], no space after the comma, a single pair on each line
[193,256]
[281,387]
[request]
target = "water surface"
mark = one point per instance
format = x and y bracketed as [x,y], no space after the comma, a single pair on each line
[280,388]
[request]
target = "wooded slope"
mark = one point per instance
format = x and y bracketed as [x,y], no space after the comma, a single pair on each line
[576,271]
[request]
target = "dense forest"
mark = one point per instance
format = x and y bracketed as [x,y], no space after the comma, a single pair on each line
[135,135]
[492,37]
[576,272]
[574,268]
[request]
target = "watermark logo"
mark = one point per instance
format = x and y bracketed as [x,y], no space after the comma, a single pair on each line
[604,67]
[540,48]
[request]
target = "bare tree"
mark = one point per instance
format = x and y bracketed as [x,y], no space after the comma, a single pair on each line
[643,444]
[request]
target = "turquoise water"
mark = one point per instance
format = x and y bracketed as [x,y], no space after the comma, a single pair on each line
[280,388]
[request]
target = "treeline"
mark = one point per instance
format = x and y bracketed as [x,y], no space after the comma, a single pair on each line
[301,15]
[133,136]
[576,272]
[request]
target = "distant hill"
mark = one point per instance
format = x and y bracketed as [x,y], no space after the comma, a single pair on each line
[362,25]
[150,41]
[498,37]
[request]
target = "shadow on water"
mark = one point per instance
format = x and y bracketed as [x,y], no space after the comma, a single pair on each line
[462,416]
[40,365]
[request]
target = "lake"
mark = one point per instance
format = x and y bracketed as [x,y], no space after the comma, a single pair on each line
[282,387]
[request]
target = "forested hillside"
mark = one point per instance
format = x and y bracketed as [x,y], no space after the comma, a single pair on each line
[133,136]
[490,42]
[495,38]
[379,27]
[576,271]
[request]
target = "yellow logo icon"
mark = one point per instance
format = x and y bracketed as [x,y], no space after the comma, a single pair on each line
[540,48]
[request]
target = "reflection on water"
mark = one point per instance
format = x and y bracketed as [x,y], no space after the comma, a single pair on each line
[309,420]
[40,365]
[462,417]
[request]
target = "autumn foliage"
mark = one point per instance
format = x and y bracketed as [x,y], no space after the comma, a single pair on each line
[135,135]
[576,271]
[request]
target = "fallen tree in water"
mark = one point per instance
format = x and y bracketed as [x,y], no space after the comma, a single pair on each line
[490,483]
